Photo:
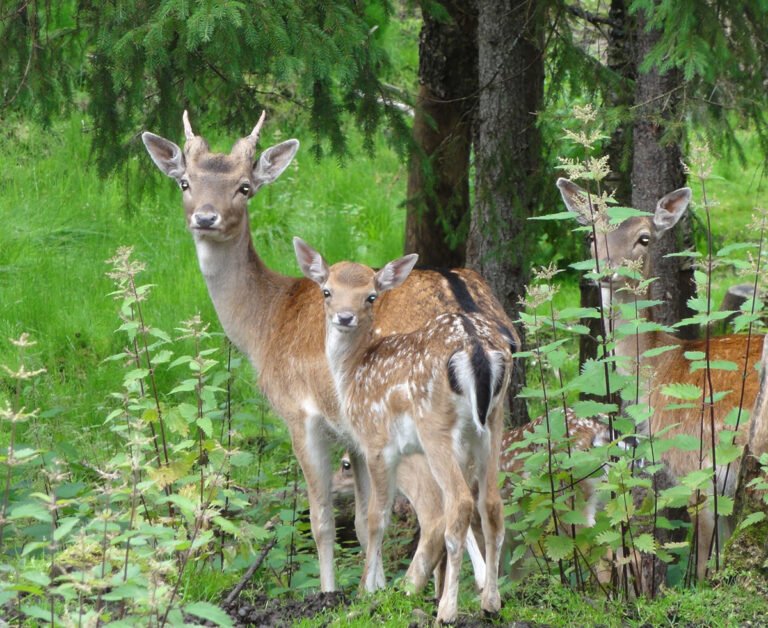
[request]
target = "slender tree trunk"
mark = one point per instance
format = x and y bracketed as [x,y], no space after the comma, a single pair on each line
[438,180]
[507,151]
[657,169]
[621,60]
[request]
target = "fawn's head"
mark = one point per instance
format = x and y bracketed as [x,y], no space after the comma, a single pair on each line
[216,187]
[631,240]
[350,289]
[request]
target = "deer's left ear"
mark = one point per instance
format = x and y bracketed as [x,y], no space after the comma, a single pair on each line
[671,208]
[395,272]
[273,162]
[310,261]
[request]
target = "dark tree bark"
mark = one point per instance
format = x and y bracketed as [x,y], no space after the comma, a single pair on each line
[507,153]
[657,169]
[621,61]
[438,178]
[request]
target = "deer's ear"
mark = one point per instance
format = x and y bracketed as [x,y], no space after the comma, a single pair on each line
[671,208]
[168,157]
[576,200]
[395,272]
[274,161]
[310,261]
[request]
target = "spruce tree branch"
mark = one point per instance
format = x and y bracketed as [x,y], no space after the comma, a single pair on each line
[592,18]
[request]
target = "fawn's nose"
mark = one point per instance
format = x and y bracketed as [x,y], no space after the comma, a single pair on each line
[346,319]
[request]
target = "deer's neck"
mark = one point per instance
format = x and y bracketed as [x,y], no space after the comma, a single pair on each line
[345,352]
[242,289]
[632,347]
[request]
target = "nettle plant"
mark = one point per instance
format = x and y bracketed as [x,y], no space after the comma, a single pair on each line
[673,445]
[118,539]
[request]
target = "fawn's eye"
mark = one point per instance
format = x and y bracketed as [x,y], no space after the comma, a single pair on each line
[590,238]
[245,189]
[346,465]
[184,185]
[371,298]
[326,293]
[644,239]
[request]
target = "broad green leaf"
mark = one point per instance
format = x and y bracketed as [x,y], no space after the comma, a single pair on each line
[697,479]
[64,527]
[209,612]
[682,391]
[686,442]
[738,246]
[694,355]
[241,459]
[136,374]
[652,353]
[618,214]
[737,416]
[559,546]
[714,365]
[579,312]
[32,510]
[751,519]
[590,408]
[609,537]
[573,517]
[727,453]
[205,424]
[566,215]
[724,505]
[645,543]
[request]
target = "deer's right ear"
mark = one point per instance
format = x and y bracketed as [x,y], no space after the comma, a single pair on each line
[166,155]
[576,200]
[395,273]
[310,261]
[274,161]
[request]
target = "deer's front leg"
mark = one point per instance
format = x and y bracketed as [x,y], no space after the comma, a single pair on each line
[312,445]
[362,500]
[382,477]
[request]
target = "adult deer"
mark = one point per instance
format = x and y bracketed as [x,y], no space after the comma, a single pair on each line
[277,321]
[438,391]
[633,241]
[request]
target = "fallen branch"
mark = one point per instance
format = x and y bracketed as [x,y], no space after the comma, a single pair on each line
[251,570]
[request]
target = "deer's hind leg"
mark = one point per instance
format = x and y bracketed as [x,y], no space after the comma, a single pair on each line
[457,498]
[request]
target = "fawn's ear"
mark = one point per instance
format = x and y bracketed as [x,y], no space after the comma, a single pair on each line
[310,261]
[168,157]
[671,208]
[395,272]
[576,200]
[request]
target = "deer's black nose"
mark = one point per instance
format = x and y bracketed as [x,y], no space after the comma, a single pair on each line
[205,220]
[345,319]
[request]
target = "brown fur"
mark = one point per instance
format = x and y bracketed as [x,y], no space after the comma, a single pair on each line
[277,321]
[633,240]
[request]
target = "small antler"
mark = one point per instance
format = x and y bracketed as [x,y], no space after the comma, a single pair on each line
[187,127]
[254,136]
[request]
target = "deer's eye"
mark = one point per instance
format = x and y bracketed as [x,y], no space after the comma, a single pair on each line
[326,293]
[371,298]
[644,240]
[245,189]
[346,465]
[590,238]
[184,185]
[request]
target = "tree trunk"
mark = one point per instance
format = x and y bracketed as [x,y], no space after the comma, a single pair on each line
[657,169]
[621,60]
[438,179]
[507,152]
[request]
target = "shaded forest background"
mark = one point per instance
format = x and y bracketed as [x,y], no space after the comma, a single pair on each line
[494,87]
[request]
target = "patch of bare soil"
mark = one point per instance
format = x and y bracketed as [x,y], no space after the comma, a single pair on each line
[283,611]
